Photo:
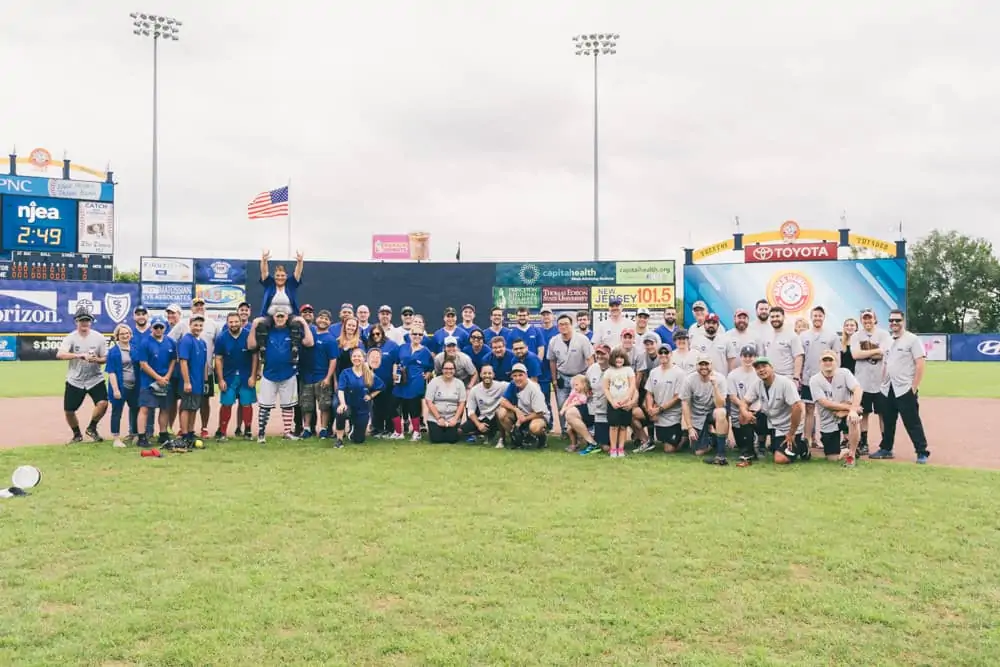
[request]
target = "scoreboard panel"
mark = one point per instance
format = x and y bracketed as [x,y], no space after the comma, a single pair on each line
[57,267]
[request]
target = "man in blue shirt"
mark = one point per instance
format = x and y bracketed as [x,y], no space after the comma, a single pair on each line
[279,384]
[140,326]
[666,330]
[527,332]
[468,324]
[192,352]
[528,359]
[236,368]
[317,378]
[496,327]
[500,359]
[155,358]
[450,328]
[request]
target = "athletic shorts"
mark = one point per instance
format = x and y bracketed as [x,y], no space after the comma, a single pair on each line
[668,435]
[873,402]
[313,393]
[73,396]
[705,433]
[619,416]
[284,393]
[805,392]
[588,419]
[191,402]
[602,433]
[831,442]
[147,399]
[238,390]
[468,427]
[801,452]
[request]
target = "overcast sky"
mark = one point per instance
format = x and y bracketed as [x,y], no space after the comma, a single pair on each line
[474,121]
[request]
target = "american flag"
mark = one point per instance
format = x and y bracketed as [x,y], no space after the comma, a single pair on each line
[269,204]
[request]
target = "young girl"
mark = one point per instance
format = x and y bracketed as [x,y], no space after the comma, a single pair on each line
[579,395]
[357,386]
[619,387]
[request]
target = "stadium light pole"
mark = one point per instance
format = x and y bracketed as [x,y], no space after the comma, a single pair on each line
[166,28]
[595,45]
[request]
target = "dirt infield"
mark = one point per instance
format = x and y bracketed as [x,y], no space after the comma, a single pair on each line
[957,434]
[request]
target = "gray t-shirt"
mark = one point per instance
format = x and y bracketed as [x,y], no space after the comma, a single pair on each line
[736,339]
[738,383]
[839,389]
[280,298]
[645,362]
[901,363]
[531,399]
[571,358]
[776,402]
[464,368]
[128,368]
[814,344]
[782,348]
[664,385]
[714,348]
[700,395]
[484,402]
[445,396]
[684,360]
[761,332]
[83,374]
[869,371]
[597,406]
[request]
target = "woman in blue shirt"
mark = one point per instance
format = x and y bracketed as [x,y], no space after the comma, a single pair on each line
[357,386]
[414,368]
[382,355]
[280,290]
[123,385]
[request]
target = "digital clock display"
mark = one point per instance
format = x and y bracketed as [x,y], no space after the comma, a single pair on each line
[40,224]
[58,267]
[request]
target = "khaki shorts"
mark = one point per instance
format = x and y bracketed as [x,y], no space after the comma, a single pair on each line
[316,393]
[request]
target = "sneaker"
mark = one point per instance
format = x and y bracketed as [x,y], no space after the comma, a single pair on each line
[75,439]
[204,433]
[261,440]
[862,450]
[222,438]
[849,461]
[415,437]
[717,461]
[339,444]
[644,447]
[471,440]
[239,431]
[499,444]
[922,458]
[589,449]
[93,434]
[291,436]
[306,434]
[395,436]
[882,454]
[247,435]
[118,444]
[744,462]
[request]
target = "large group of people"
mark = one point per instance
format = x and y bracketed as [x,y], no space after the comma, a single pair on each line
[765,387]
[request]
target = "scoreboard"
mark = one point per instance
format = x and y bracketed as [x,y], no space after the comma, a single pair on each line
[58,267]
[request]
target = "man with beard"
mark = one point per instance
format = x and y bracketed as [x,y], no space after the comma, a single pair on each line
[904,372]
[140,326]
[738,338]
[481,407]
[317,378]
[527,358]
[663,400]
[700,312]
[703,406]
[783,409]
[529,333]
[868,346]
[496,329]
[468,324]
[760,328]
[838,406]
[523,409]
[609,332]
[346,311]
[307,313]
[784,348]
[500,359]
[243,310]
[236,368]
[305,361]
[666,330]
[713,342]
[465,370]
[569,354]
[583,324]
[815,342]
[278,384]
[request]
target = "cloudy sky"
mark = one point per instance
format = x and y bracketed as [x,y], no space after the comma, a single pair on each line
[473,120]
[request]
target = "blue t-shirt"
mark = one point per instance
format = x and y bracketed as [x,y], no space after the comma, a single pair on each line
[549,334]
[489,334]
[665,334]
[390,355]
[501,367]
[532,336]
[469,329]
[589,333]
[531,362]
[195,352]
[323,351]
[477,357]
[236,357]
[158,354]
[355,390]
[436,344]
[137,335]
[278,355]
[416,362]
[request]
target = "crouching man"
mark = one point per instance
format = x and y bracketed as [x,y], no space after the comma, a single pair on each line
[784,409]
[523,411]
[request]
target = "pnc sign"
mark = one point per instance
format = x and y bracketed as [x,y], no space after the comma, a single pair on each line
[791,252]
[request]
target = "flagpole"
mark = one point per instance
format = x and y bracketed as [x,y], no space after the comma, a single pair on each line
[289,186]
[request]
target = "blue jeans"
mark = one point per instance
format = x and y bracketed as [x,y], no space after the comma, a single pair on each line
[130,397]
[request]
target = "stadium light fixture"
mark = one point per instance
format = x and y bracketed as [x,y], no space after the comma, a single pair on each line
[595,45]
[158,28]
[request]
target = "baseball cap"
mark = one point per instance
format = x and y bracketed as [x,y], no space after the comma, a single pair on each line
[748,351]
[628,332]
[197,300]
[83,314]
[197,316]
[449,311]
[703,359]
[469,306]
[680,333]
[518,368]
[740,311]
[139,309]
[282,310]
[174,308]
[761,361]
[602,348]
[664,347]
[712,317]
[304,307]
[545,309]
[158,321]
[699,305]
[615,301]
[867,311]
[384,309]
[347,306]
[828,354]
[450,340]
[642,311]
[407,310]
[650,337]
[244,303]
[325,313]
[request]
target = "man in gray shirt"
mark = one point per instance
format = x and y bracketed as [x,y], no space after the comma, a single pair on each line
[784,348]
[523,409]
[481,407]
[904,371]
[815,342]
[569,353]
[868,346]
[86,350]
[703,409]
[783,409]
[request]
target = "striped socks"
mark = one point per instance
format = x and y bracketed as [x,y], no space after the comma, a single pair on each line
[263,415]
[288,419]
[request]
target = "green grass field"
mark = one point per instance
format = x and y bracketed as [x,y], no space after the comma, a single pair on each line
[436,555]
[955,379]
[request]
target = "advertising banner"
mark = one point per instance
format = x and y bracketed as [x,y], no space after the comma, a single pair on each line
[43,347]
[843,288]
[49,307]
[222,297]
[645,273]
[530,274]
[36,186]
[790,252]
[8,348]
[156,295]
[39,224]
[96,229]
[655,297]
[512,298]
[166,270]
[935,346]
[220,271]
[569,298]
[415,245]
[975,347]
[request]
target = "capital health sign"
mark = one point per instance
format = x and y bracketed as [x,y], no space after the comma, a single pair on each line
[28,306]
[532,274]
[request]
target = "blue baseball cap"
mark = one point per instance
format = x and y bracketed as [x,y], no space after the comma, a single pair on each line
[139,309]
[158,321]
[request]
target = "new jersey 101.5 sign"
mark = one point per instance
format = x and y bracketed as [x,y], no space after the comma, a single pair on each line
[39,224]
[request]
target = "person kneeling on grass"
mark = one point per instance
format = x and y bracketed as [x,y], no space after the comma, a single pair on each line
[482,405]
[357,386]
[837,394]
[444,402]
[703,405]
[523,411]
[279,382]
[783,408]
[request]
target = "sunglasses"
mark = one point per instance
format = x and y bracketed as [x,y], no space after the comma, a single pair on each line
[896,320]
[376,334]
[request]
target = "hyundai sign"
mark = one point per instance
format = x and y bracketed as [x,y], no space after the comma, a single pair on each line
[975,347]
